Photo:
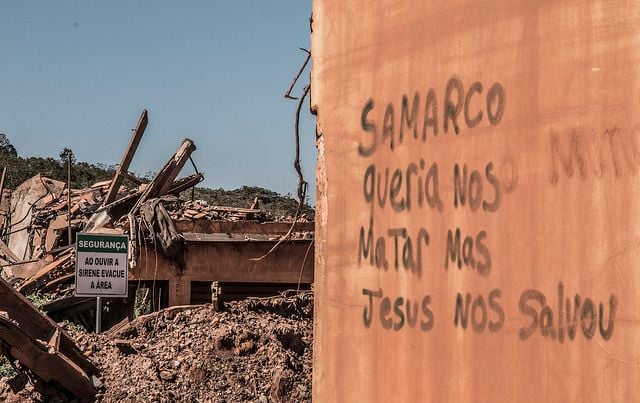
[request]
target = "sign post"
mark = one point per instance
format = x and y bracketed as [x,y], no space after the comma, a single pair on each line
[101,268]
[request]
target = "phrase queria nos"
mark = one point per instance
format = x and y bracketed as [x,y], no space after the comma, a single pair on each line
[418,185]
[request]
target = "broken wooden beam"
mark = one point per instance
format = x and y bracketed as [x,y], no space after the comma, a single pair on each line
[24,329]
[175,165]
[69,305]
[11,257]
[185,183]
[163,181]
[238,210]
[65,278]
[131,178]
[254,205]
[4,173]
[46,362]
[123,169]
[47,273]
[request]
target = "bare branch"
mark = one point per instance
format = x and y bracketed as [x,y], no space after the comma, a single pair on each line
[295,80]
[302,184]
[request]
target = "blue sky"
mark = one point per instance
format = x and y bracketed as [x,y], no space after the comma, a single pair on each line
[78,73]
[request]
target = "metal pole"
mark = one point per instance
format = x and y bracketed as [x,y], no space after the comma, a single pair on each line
[69,196]
[98,314]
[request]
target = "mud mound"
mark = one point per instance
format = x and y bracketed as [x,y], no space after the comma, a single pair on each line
[256,350]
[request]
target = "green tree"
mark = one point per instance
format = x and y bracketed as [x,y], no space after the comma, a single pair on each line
[6,148]
[65,154]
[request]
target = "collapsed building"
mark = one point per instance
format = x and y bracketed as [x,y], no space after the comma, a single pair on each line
[180,252]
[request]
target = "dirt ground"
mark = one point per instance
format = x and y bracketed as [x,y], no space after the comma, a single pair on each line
[256,350]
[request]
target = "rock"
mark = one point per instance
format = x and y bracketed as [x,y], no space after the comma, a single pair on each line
[167,376]
[125,347]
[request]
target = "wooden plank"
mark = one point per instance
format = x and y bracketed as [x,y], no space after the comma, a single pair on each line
[185,183]
[101,184]
[24,328]
[235,210]
[69,305]
[180,159]
[164,179]
[127,158]
[58,223]
[5,249]
[4,173]
[43,275]
[47,364]
[58,281]
[131,178]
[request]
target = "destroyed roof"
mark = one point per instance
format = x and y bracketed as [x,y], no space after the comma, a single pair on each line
[39,218]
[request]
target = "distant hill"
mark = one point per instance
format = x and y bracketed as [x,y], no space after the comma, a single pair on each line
[84,174]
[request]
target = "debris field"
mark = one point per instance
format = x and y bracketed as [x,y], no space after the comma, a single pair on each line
[259,349]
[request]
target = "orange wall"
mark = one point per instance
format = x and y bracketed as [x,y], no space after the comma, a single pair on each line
[226,261]
[537,102]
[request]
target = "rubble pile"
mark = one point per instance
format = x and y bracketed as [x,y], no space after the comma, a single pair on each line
[50,261]
[199,209]
[255,350]
[40,214]
[290,218]
[49,220]
[37,215]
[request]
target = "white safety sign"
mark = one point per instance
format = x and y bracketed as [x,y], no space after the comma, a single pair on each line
[101,265]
